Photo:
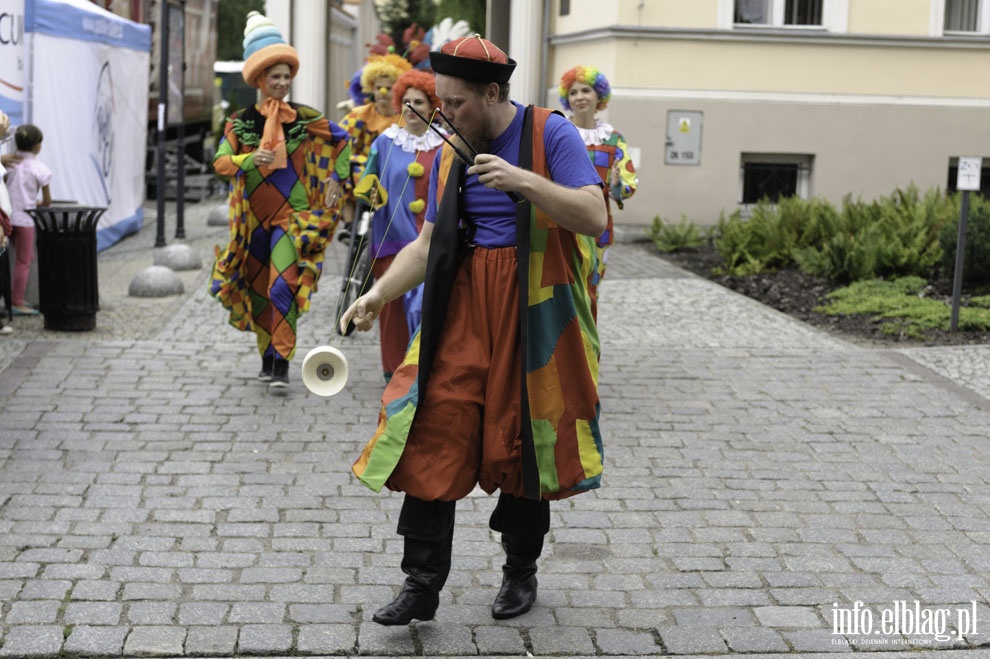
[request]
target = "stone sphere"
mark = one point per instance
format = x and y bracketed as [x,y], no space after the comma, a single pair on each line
[155,281]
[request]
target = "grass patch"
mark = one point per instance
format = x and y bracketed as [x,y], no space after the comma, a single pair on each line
[901,307]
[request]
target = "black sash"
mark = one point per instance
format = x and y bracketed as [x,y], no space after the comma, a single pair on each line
[447,247]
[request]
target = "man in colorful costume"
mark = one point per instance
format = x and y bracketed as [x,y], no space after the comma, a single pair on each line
[287,164]
[499,387]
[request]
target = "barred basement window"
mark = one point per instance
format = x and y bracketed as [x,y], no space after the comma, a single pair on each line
[773,176]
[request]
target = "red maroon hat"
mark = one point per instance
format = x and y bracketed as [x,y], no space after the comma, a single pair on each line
[473,58]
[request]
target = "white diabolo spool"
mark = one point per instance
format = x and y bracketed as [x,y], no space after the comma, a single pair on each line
[324,371]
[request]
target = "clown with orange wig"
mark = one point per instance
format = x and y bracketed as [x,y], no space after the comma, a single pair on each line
[288,166]
[366,122]
[395,184]
[584,90]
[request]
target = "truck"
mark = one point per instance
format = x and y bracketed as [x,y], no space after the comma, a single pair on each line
[200,51]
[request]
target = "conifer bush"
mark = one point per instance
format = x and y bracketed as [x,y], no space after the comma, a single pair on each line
[976,257]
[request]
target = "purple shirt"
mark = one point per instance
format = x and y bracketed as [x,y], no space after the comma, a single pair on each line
[491,211]
[24,182]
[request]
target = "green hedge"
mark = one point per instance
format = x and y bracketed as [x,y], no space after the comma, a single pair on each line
[892,236]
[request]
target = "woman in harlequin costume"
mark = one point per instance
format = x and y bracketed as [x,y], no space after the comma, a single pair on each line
[584,90]
[288,165]
[366,122]
[395,184]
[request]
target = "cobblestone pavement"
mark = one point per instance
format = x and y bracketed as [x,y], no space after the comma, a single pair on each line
[769,489]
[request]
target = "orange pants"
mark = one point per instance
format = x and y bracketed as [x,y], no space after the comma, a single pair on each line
[467,431]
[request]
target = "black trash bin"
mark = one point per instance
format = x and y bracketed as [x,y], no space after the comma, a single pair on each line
[68,291]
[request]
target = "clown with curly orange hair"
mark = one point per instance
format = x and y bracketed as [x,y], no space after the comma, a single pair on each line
[395,184]
[584,90]
[366,122]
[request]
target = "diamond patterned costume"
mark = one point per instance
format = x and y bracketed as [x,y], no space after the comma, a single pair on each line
[279,228]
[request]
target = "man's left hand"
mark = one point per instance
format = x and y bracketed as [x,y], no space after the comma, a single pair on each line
[496,173]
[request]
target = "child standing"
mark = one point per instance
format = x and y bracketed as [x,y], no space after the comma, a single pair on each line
[24,181]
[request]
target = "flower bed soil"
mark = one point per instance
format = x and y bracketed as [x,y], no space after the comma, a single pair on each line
[797,294]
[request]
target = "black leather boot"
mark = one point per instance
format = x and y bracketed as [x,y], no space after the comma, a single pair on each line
[518,591]
[428,530]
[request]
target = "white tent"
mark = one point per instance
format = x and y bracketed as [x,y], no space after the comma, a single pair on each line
[84,82]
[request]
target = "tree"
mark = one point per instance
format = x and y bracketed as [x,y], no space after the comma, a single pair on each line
[397,15]
[231,16]
[472,11]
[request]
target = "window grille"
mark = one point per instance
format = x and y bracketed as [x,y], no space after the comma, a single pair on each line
[772,180]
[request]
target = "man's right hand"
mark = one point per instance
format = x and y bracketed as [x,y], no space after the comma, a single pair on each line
[363,311]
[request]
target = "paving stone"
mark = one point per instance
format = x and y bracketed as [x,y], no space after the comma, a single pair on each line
[264,639]
[203,613]
[787,616]
[93,613]
[440,639]
[816,640]
[492,640]
[32,641]
[753,639]
[257,612]
[152,613]
[336,639]
[574,641]
[32,613]
[375,639]
[626,642]
[106,591]
[98,641]
[155,641]
[45,589]
[211,641]
[307,614]
[692,639]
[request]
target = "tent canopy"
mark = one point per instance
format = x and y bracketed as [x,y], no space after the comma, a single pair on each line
[85,85]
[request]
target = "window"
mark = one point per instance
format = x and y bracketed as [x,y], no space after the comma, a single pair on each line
[972,16]
[774,176]
[565,7]
[778,12]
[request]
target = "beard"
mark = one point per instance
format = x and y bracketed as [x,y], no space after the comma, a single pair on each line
[477,141]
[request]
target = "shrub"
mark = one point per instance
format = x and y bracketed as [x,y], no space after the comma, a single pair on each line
[893,236]
[901,308]
[976,264]
[670,237]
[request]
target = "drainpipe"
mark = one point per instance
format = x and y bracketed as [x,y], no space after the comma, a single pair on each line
[544,53]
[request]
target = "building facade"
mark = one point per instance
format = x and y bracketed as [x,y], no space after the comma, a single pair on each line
[726,101]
